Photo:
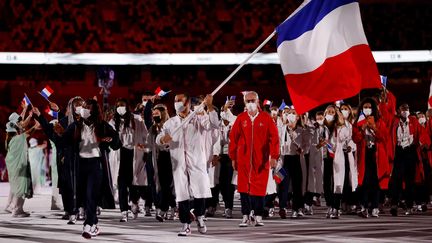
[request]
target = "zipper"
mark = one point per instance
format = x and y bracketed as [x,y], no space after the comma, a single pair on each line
[250,170]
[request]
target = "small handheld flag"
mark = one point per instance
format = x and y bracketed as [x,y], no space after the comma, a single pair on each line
[233,97]
[279,174]
[26,100]
[267,102]
[361,120]
[159,92]
[383,81]
[339,103]
[46,92]
[330,150]
[52,113]
[282,106]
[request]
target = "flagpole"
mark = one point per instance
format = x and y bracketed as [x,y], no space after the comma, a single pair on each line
[244,62]
[228,78]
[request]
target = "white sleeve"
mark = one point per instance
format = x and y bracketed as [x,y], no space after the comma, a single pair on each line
[164,131]
[217,142]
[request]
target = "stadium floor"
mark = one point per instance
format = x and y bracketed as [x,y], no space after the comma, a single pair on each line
[45,226]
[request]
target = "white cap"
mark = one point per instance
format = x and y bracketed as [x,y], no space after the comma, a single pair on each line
[14,117]
[33,142]
[10,127]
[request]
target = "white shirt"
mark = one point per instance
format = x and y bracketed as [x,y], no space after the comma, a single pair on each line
[290,140]
[404,137]
[89,147]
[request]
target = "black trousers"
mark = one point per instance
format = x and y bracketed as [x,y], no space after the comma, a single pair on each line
[292,165]
[166,197]
[370,190]
[185,207]
[328,181]
[348,195]
[151,192]
[404,168]
[124,180]
[249,202]
[68,187]
[90,181]
[225,187]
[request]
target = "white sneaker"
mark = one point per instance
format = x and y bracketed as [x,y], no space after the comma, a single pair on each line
[86,231]
[271,212]
[202,228]
[228,213]
[160,215]
[185,231]
[259,221]
[252,216]
[94,231]
[334,214]
[72,219]
[172,214]
[81,214]
[375,212]
[294,214]
[308,210]
[245,221]
[124,216]
[300,212]
[135,211]
[329,212]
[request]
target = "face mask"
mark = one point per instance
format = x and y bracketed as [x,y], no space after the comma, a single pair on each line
[251,107]
[422,120]
[367,111]
[405,114]
[291,118]
[320,122]
[144,103]
[285,116]
[345,113]
[274,113]
[78,110]
[121,110]
[157,119]
[85,113]
[179,106]
[329,118]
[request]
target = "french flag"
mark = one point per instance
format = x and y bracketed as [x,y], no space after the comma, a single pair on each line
[159,92]
[279,175]
[52,113]
[383,81]
[26,100]
[330,150]
[362,119]
[324,53]
[267,102]
[47,92]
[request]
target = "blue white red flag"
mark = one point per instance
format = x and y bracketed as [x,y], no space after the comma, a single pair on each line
[324,53]
[47,92]
[279,174]
[52,113]
[26,100]
[159,92]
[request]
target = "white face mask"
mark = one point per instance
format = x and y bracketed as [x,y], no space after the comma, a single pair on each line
[405,114]
[274,113]
[345,113]
[367,111]
[320,122]
[252,107]
[285,116]
[78,110]
[144,103]
[329,118]
[85,113]
[422,120]
[179,106]
[121,110]
[291,118]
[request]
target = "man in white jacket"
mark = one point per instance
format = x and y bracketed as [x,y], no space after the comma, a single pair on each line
[188,158]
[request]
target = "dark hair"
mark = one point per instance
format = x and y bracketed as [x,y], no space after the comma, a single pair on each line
[128,117]
[319,113]
[147,93]
[94,119]
[374,106]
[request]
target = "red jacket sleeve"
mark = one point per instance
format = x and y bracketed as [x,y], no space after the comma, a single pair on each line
[274,139]
[234,136]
